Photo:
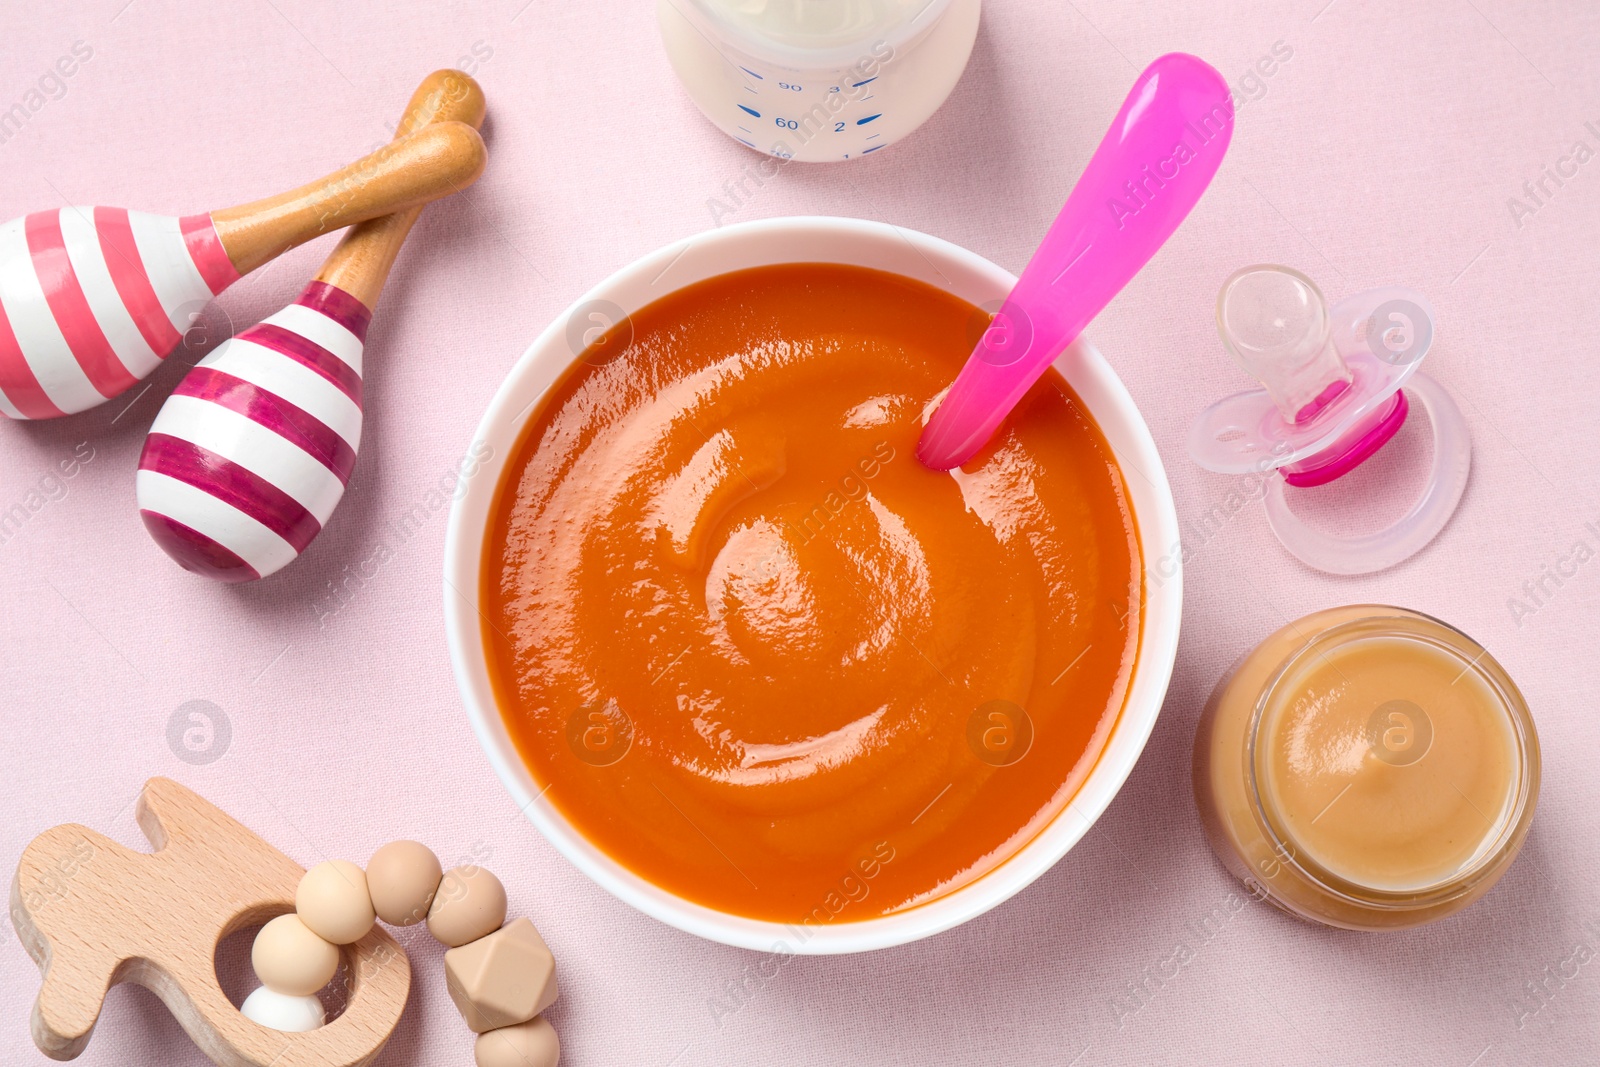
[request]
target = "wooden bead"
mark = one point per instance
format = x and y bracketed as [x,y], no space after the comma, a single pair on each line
[332,900]
[471,903]
[402,877]
[280,1011]
[290,959]
[532,1044]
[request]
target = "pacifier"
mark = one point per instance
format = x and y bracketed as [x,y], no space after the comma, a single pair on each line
[1338,384]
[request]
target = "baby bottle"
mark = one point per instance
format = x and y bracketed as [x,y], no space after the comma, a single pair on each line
[818,80]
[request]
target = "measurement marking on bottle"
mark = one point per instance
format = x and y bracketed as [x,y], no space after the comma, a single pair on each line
[752,73]
[858,85]
[869,118]
[750,110]
[874,148]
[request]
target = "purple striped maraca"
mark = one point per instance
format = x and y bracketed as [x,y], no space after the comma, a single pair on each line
[92,299]
[251,453]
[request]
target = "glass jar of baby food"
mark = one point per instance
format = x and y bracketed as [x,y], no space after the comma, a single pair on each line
[1367,767]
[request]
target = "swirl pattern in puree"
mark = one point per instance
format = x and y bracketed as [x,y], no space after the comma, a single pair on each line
[716,554]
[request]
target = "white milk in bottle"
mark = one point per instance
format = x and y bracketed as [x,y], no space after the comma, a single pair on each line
[818,80]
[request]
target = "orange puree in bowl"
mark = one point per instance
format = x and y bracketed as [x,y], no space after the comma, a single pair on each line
[758,653]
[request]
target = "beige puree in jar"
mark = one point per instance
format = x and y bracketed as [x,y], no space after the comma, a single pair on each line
[1367,767]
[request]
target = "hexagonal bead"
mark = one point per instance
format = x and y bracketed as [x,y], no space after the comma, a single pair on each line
[503,979]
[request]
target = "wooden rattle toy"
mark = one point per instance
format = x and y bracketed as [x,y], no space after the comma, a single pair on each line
[92,914]
[92,299]
[251,453]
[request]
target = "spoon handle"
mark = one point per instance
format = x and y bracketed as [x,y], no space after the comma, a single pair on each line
[1151,168]
[360,263]
[433,162]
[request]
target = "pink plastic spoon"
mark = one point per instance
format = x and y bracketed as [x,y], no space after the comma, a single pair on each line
[1149,171]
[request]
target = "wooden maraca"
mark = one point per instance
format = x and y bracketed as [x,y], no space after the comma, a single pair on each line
[92,299]
[250,454]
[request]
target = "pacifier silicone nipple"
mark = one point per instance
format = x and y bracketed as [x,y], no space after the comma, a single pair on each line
[1335,392]
[1275,322]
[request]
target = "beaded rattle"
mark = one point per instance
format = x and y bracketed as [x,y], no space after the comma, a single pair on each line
[92,914]
[501,975]
[92,299]
[251,453]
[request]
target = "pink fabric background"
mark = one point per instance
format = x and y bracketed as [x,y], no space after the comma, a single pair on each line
[1384,150]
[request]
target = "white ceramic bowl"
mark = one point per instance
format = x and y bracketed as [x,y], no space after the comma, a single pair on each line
[814,240]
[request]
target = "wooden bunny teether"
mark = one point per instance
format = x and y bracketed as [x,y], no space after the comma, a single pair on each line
[251,453]
[92,299]
[92,914]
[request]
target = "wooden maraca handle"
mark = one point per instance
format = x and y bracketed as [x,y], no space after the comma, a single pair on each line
[435,161]
[361,262]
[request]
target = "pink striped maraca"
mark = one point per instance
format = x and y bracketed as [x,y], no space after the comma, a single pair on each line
[251,453]
[92,299]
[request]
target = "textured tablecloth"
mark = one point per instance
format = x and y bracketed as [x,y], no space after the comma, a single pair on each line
[1391,145]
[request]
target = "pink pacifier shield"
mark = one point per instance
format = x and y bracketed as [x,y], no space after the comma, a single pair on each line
[1408,535]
